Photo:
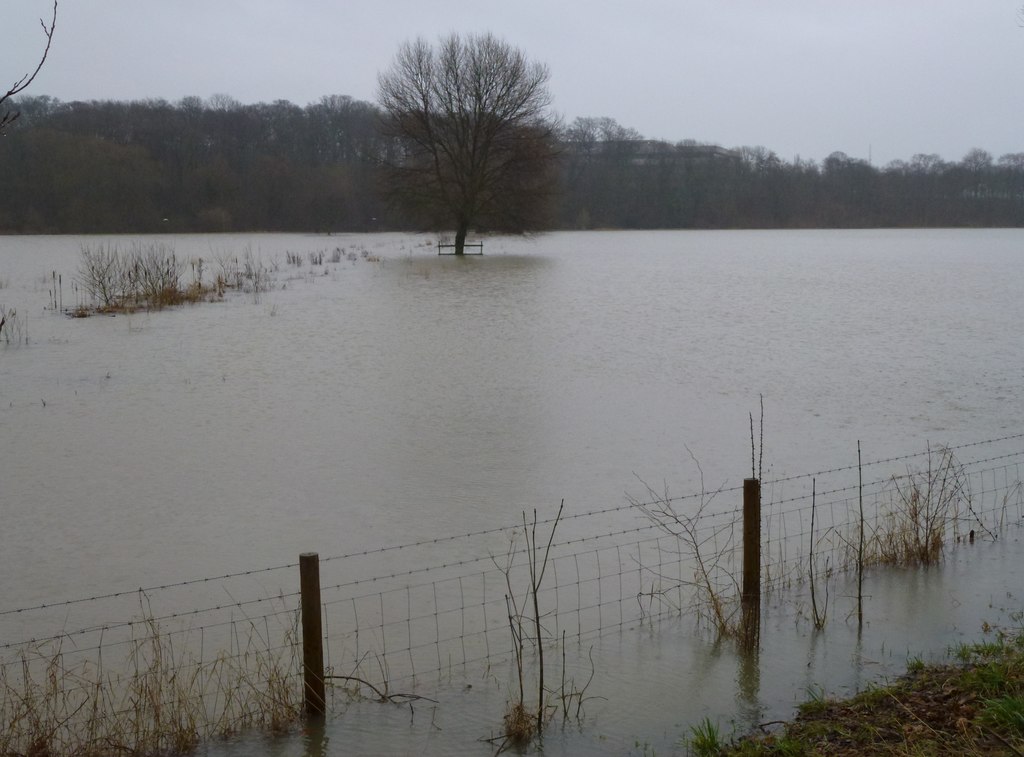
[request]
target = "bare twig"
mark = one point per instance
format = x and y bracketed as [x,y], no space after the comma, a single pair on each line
[520,725]
[819,617]
[756,470]
[21,84]
[760,446]
[536,578]
[711,598]
[860,541]
[382,696]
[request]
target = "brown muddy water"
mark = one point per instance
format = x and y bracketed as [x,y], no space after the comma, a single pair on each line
[399,397]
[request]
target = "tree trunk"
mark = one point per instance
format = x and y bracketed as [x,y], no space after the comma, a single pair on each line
[460,238]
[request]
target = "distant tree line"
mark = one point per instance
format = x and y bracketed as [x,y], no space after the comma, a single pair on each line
[195,165]
[612,177]
[218,165]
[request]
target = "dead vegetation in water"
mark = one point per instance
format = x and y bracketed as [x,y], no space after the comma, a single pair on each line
[13,327]
[915,517]
[519,725]
[907,522]
[925,506]
[118,280]
[717,599]
[151,277]
[522,724]
[715,588]
[164,697]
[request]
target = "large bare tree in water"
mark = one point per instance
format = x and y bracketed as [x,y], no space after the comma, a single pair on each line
[8,117]
[475,139]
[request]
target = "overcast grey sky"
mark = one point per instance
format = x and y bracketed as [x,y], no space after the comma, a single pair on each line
[879,78]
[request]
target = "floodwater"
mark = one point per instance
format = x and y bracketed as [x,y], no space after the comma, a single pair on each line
[403,396]
[653,682]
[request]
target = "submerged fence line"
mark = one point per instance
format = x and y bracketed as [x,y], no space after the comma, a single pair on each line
[767,483]
[399,618]
[897,458]
[146,590]
[989,499]
[443,605]
[773,511]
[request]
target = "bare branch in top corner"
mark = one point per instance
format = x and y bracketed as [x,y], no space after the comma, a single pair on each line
[21,84]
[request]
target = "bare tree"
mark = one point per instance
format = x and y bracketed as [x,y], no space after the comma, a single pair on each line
[475,141]
[8,117]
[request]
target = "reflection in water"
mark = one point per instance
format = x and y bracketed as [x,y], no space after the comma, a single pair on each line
[857,661]
[461,394]
[315,738]
[749,685]
[816,637]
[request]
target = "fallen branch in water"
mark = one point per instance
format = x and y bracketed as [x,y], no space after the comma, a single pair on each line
[383,695]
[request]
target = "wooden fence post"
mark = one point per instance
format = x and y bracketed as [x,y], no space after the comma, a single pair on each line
[751,589]
[314,696]
[751,539]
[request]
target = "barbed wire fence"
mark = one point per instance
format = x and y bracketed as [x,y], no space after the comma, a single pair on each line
[164,666]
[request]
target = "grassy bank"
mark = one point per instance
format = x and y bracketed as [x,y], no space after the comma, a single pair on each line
[973,705]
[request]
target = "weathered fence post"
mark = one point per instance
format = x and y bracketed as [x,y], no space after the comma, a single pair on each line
[314,696]
[751,539]
[751,589]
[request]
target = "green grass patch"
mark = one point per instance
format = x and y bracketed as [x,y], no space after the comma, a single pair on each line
[705,739]
[973,707]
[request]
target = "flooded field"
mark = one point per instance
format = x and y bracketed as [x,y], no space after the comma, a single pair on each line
[392,397]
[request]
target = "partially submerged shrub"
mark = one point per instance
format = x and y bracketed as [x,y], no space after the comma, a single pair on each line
[157,274]
[150,276]
[142,276]
[923,505]
[716,598]
[100,274]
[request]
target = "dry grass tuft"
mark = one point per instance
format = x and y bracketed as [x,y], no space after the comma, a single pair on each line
[519,725]
[163,698]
